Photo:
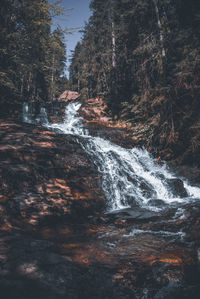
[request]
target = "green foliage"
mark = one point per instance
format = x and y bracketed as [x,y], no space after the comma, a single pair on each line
[27,45]
[156,74]
[156,44]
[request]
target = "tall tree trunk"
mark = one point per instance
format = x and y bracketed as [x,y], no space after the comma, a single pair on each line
[29,82]
[78,82]
[113,38]
[52,76]
[22,86]
[160,28]
[113,45]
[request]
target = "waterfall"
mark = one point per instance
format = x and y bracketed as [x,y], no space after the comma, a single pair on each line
[130,176]
[72,123]
[30,116]
[27,113]
[42,117]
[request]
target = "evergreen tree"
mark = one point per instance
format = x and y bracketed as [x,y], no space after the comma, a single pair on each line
[28,67]
[143,58]
[57,57]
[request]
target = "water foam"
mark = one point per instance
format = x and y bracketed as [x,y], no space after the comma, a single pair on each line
[130,176]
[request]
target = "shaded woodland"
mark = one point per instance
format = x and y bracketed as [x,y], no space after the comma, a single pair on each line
[143,58]
[32,57]
[85,212]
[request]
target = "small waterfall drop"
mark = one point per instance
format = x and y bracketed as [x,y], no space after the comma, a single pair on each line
[32,117]
[42,117]
[130,176]
[72,124]
[27,113]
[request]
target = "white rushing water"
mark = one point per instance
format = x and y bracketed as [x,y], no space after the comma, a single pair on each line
[130,176]
[136,232]
[27,113]
[30,117]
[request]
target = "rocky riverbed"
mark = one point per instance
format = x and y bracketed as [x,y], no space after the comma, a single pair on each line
[57,241]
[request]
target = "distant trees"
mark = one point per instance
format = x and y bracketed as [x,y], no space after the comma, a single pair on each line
[57,58]
[137,48]
[31,57]
[143,57]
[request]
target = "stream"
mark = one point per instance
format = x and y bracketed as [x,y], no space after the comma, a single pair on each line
[145,242]
[130,177]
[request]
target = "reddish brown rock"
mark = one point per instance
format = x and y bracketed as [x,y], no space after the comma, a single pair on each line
[56,243]
[44,174]
[94,110]
[69,95]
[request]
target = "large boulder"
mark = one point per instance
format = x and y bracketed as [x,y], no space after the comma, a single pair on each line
[44,176]
[68,95]
[177,187]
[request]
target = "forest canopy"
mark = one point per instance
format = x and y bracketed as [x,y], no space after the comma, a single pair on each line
[143,58]
[134,48]
[32,57]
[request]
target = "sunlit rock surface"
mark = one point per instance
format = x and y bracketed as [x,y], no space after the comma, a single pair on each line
[56,241]
[68,95]
[95,110]
[44,174]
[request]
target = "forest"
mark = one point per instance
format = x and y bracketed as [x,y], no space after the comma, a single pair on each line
[100,171]
[143,58]
[32,57]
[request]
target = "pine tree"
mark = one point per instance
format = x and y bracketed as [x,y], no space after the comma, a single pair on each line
[57,57]
[143,58]
[26,50]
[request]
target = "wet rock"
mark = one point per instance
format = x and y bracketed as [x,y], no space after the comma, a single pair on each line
[44,174]
[171,290]
[146,190]
[65,247]
[137,213]
[156,203]
[177,187]
[169,279]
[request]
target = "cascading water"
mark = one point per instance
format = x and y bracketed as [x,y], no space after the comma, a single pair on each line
[130,176]
[27,113]
[30,116]
[42,117]
[72,124]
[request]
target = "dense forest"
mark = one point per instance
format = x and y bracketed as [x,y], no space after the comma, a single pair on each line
[100,172]
[32,57]
[143,58]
